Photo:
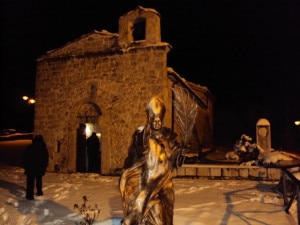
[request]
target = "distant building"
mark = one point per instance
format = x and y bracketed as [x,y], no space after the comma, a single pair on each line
[102,81]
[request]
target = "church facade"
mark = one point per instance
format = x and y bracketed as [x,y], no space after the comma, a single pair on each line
[101,82]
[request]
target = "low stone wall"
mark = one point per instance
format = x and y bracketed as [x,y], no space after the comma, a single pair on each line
[224,171]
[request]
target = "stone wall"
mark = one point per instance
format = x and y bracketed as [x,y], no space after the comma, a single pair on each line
[223,171]
[124,84]
[105,79]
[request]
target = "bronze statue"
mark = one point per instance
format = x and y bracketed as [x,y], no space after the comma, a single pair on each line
[146,183]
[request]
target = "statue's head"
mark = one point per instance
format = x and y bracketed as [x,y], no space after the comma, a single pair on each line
[155,112]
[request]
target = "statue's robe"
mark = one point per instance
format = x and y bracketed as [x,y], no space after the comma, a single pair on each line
[147,188]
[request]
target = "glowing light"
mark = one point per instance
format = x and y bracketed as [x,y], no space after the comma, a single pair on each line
[98,135]
[297,122]
[29,101]
[88,130]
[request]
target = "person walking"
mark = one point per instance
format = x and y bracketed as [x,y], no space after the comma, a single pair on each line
[35,161]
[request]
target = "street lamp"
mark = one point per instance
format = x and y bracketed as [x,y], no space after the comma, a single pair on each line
[29,112]
[29,101]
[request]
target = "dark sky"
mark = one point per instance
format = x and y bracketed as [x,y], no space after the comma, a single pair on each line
[246,52]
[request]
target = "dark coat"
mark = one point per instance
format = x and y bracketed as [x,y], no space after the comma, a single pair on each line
[35,158]
[93,145]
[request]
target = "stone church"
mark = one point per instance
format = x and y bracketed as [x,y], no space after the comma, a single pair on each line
[101,82]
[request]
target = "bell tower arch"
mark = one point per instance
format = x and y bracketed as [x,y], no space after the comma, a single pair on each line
[139,26]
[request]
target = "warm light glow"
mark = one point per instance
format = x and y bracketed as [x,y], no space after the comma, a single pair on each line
[88,130]
[98,135]
[29,101]
[297,122]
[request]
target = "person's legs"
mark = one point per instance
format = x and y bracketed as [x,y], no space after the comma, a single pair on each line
[30,186]
[91,166]
[39,186]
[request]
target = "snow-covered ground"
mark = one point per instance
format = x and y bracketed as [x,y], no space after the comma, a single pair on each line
[198,201]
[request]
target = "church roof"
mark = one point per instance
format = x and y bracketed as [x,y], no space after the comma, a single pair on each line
[201,93]
[93,42]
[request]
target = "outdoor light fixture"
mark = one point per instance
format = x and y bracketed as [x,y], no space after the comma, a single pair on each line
[90,128]
[29,101]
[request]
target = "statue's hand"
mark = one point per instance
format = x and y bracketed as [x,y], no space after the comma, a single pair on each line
[180,157]
[183,151]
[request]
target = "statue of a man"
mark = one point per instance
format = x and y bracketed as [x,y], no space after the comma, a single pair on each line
[146,183]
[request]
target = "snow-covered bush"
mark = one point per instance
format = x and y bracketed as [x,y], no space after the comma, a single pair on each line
[245,149]
[88,213]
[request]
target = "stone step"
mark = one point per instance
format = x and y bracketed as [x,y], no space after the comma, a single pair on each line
[225,171]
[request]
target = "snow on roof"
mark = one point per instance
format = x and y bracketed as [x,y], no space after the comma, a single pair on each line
[142,45]
[140,8]
[197,89]
[103,33]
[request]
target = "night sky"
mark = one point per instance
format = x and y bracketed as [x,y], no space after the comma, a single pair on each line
[246,52]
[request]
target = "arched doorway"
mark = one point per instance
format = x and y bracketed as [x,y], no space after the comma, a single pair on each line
[87,118]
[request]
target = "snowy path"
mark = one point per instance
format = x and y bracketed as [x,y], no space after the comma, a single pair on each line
[198,202]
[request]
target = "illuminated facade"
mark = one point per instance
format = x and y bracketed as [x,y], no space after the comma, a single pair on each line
[101,82]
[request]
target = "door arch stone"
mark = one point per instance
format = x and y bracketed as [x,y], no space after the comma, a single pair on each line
[88,112]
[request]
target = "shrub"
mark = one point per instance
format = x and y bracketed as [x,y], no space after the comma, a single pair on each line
[88,213]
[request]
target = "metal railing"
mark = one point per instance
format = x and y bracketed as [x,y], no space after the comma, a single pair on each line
[295,196]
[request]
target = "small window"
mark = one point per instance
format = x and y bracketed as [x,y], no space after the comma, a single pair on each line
[93,89]
[139,29]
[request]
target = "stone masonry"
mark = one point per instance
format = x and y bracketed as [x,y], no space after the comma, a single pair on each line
[105,79]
